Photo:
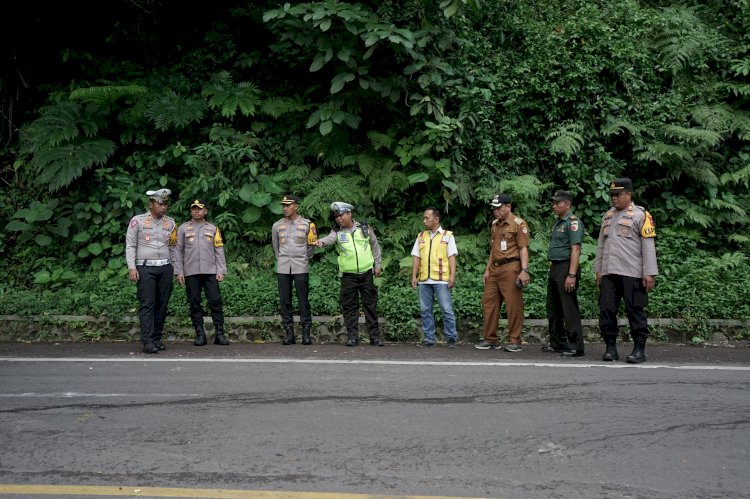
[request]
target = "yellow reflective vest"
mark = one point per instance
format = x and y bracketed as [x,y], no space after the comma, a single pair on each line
[433,253]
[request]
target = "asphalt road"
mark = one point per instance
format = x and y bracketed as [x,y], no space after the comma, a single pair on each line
[390,421]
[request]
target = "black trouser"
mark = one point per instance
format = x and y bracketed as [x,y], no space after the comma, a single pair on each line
[194,284]
[153,290]
[301,284]
[352,287]
[563,314]
[612,289]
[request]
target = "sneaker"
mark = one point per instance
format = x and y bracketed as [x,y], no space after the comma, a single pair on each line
[513,348]
[425,344]
[486,346]
[451,343]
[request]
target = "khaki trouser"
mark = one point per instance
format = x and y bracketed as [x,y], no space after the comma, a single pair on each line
[501,286]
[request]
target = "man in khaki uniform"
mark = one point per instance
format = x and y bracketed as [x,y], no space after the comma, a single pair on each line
[200,265]
[506,274]
[149,253]
[293,239]
[625,268]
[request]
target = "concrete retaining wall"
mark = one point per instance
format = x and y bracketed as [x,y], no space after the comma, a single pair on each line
[326,329]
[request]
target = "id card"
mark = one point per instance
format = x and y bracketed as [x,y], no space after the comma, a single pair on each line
[503,245]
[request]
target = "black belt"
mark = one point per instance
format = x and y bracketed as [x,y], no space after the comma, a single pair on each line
[555,262]
[499,263]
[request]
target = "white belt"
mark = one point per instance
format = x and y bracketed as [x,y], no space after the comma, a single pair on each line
[153,263]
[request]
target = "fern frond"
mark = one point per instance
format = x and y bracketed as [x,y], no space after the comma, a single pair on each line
[692,135]
[697,216]
[736,89]
[615,126]
[105,95]
[347,188]
[684,39]
[659,153]
[380,140]
[229,97]
[58,167]
[741,67]
[567,139]
[741,176]
[174,110]
[741,124]
[57,124]
[726,205]
[717,118]
[278,106]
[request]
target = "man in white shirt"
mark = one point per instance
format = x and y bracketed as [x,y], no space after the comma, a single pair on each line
[434,273]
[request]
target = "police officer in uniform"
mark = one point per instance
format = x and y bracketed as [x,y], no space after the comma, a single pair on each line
[293,239]
[506,274]
[625,269]
[149,252]
[563,314]
[200,265]
[359,259]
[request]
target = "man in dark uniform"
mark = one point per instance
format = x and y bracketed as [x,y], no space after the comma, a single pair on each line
[200,265]
[506,274]
[359,260]
[563,314]
[293,238]
[625,269]
[149,253]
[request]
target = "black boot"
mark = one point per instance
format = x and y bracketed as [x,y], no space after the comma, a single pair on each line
[221,338]
[200,336]
[289,336]
[306,335]
[611,354]
[375,340]
[351,339]
[638,354]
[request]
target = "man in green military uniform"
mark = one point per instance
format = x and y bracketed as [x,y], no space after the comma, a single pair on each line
[563,314]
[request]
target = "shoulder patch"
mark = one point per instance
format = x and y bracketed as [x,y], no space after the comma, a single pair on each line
[649,228]
[134,221]
[218,241]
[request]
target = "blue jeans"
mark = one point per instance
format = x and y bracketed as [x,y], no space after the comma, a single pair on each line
[427,295]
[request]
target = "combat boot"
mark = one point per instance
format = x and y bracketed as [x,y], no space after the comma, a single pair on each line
[611,354]
[289,336]
[639,348]
[375,340]
[351,339]
[220,338]
[200,336]
[306,335]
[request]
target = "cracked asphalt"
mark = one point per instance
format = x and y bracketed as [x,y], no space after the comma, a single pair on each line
[397,420]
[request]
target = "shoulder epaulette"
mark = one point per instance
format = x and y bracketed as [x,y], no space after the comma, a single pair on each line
[518,221]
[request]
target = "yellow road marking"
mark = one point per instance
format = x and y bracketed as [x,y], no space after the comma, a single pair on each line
[197,493]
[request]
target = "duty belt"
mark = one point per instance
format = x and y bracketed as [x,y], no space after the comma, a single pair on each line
[153,263]
[498,263]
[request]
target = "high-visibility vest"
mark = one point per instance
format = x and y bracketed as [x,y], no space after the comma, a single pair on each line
[355,252]
[433,253]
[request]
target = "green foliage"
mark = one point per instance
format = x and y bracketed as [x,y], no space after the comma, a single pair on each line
[393,107]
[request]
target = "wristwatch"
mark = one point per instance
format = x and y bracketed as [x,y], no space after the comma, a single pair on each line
[525,270]
[571,275]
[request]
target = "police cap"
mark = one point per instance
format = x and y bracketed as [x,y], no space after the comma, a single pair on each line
[161,196]
[619,185]
[339,207]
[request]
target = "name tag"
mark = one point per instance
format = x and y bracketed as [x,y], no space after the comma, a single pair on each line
[342,237]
